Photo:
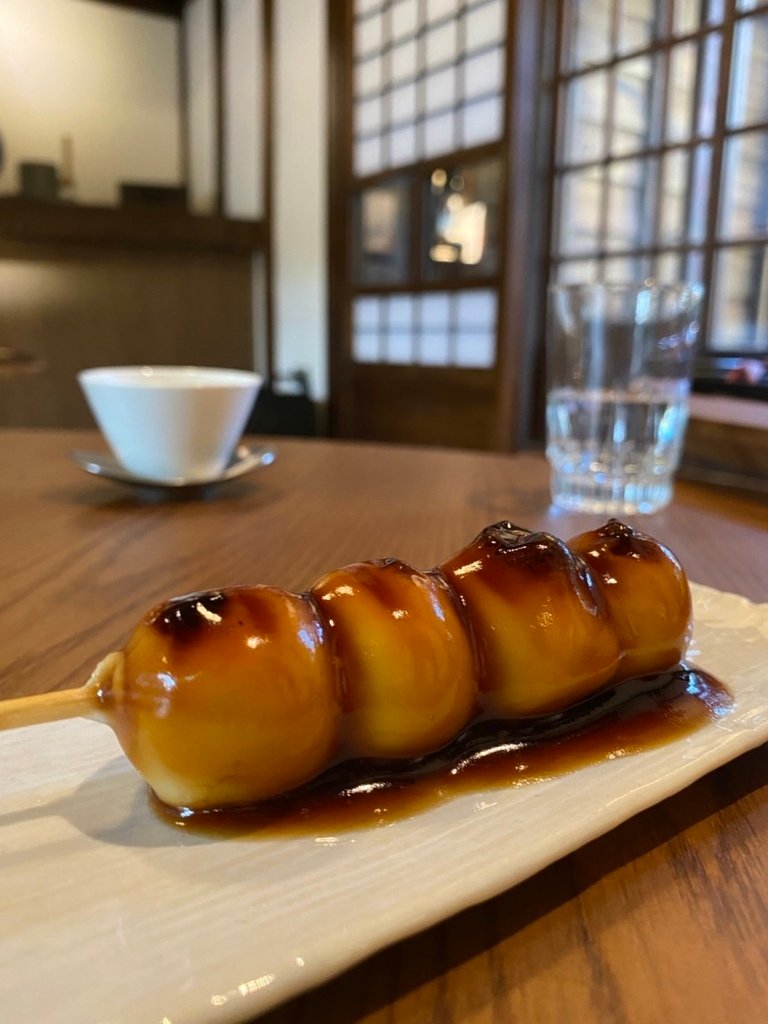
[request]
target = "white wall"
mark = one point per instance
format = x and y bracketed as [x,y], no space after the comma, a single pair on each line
[243,108]
[107,77]
[200,72]
[300,189]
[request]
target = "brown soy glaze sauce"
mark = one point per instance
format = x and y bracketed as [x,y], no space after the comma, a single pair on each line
[634,716]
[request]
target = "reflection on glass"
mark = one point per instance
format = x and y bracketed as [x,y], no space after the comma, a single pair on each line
[748,96]
[381,233]
[740,314]
[744,203]
[462,219]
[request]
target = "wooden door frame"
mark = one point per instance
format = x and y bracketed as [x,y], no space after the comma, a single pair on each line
[522,286]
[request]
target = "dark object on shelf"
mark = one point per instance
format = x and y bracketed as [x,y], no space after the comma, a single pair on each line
[283,406]
[30,221]
[732,388]
[139,194]
[38,181]
[14,360]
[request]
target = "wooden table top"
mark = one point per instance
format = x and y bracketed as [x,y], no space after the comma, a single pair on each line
[663,919]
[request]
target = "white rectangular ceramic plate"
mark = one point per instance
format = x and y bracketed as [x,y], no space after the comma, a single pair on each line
[109,916]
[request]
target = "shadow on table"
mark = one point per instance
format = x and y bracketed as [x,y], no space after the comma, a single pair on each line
[108,496]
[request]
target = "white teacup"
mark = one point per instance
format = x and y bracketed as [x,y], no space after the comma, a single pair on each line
[171,423]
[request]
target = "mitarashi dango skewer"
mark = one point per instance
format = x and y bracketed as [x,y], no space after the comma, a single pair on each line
[227,698]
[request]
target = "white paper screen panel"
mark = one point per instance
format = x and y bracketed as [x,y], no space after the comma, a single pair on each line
[428,79]
[456,328]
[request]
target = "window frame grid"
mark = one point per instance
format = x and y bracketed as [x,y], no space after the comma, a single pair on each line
[659,48]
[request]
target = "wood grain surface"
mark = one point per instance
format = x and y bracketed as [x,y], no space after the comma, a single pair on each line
[663,919]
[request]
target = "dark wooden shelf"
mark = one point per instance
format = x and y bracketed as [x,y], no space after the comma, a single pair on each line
[32,221]
[169,8]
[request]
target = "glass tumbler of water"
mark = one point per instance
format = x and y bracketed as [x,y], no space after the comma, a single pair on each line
[619,362]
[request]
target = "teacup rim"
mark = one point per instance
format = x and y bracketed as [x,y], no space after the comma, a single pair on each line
[169,375]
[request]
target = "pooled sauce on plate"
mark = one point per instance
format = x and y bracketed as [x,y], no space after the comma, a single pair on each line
[634,716]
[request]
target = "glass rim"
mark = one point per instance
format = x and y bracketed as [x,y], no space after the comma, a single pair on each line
[648,284]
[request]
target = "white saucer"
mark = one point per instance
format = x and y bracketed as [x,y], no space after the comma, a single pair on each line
[245,459]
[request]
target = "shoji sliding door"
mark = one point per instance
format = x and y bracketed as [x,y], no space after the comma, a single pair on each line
[426,326]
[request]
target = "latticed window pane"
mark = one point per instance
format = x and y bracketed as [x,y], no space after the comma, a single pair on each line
[440,90]
[438,66]
[681,91]
[399,346]
[744,203]
[403,61]
[368,75]
[636,25]
[481,121]
[368,156]
[581,200]
[485,24]
[437,9]
[748,98]
[475,349]
[402,145]
[405,18]
[632,106]
[586,107]
[629,209]
[440,44]
[673,196]
[369,34]
[625,217]
[577,271]
[440,134]
[368,116]
[625,269]
[402,103]
[687,15]
[709,72]
[668,268]
[484,73]
[740,315]
[590,32]
[699,198]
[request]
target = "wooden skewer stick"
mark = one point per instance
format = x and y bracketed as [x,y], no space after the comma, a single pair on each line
[82,702]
